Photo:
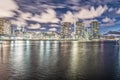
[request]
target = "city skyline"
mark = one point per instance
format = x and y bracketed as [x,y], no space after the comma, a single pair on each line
[60,40]
[48,14]
[80,32]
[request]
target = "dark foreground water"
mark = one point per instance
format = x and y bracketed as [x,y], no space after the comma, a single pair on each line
[54,60]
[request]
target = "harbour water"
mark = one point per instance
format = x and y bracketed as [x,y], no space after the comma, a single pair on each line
[59,60]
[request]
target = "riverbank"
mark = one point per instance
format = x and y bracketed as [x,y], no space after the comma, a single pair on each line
[94,40]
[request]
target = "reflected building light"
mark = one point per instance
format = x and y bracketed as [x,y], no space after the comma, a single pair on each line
[83,48]
[118,66]
[78,55]
[96,47]
[5,52]
[96,52]
[27,42]
[102,47]
[117,72]
[1,53]
[18,58]
[56,44]
[102,52]
[119,57]
[12,44]
[56,47]
[17,43]
[27,48]
[41,49]
[41,43]
[64,46]
[5,48]
[19,50]
[4,60]
[12,47]
[47,49]
[74,56]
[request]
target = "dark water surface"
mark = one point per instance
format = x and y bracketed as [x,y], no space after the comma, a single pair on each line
[54,60]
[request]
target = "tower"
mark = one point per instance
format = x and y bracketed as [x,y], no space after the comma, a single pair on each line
[79,30]
[1,25]
[5,27]
[66,30]
[95,29]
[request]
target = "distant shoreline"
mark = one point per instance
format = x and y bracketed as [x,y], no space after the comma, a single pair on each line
[96,40]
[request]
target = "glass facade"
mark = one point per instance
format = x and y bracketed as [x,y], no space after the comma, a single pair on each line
[66,30]
[5,28]
[95,29]
[79,30]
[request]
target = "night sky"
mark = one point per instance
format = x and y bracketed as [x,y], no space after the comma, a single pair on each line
[46,15]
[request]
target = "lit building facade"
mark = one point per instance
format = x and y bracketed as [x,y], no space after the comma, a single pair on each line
[95,29]
[20,31]
[5,27]
[66,30]
[79,30]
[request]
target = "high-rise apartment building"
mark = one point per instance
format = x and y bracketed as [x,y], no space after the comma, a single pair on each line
[66,30]
[79,30]
[5,27]
[95,29]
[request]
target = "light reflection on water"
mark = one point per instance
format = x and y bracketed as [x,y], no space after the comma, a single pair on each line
[54,60]
[74,58]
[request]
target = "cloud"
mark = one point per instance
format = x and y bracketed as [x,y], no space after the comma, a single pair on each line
[7,7]
[34,26]
[112,33]
[88,22]
[42,28]
[49,11]
[53,6]
[84,13]
[107,24]
[21,19]
[118,11]
[19,22]
[73,2]
[52,29]
[77,8]
[118,22]
[110,9]
[46,17]
[25,16]
[92,13]
[54,25]
[106,20]
[68,17]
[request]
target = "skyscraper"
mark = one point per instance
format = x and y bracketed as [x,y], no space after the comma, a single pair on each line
[1,26]
[66,30]
[79,30]
[5,28]
[95,29]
